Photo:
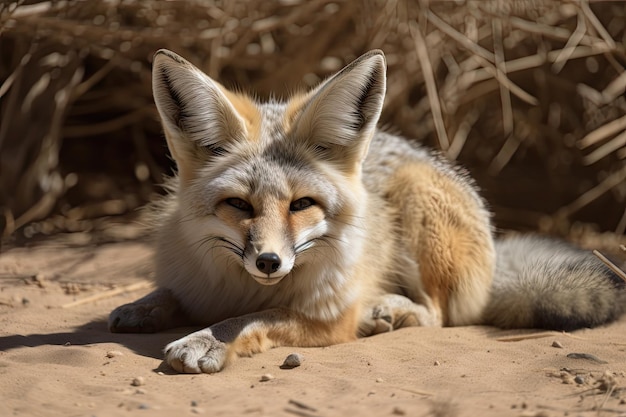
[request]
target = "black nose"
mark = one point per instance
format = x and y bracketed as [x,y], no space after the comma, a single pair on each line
[268,263]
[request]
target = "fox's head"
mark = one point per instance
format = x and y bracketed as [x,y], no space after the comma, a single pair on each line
[276,184]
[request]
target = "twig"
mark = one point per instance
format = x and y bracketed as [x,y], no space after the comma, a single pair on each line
[505,95]
[111,125]
[603,132]
[549,31]
[604,150]
[570,46]
[610,264]
[485,57]
[512,144]
[531,61]
[460,136]
[584,6]
[608,183]
[615,88]
[299,413]
[111,293]
[416,391]
[431,86]
[302,405]
[517,338]
[504,155]
[457,36]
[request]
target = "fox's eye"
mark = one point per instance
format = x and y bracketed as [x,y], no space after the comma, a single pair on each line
[239,204]
[301,204]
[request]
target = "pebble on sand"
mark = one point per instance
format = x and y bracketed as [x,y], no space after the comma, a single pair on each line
[138,381]
[293,360]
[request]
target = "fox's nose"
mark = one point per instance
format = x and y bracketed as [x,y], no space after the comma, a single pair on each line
[268,262]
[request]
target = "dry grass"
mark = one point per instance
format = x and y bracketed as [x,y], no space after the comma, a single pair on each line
[529,94]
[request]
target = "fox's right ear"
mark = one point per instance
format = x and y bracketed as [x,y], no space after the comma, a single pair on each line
[198,118]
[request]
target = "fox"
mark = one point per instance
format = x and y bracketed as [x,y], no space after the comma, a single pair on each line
[300,223]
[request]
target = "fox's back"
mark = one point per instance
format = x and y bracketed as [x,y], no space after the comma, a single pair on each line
[388,153]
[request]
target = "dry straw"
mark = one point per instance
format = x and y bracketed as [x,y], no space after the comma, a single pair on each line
[528,94]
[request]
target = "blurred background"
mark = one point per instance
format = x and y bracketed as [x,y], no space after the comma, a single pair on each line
[529,95]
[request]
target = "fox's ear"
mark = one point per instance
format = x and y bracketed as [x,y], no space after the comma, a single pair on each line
[339,117]
[198,118]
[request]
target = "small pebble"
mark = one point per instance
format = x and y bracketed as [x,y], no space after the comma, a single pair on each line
[194,403]
[397,411]
[293,360]
[579,379]
[557,344]
[40,279]
[114,353]
[437,363]
[266,377]
[380,380]
[138,381]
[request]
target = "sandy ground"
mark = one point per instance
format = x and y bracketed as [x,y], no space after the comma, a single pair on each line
[57,358]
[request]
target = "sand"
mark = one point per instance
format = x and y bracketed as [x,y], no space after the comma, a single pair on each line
[57,358]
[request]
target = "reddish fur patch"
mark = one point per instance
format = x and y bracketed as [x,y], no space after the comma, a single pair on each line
[441,232]
[247,109]
[300,221]
[294,107]
[282,327]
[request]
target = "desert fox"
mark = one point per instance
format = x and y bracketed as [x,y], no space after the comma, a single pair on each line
[298,223]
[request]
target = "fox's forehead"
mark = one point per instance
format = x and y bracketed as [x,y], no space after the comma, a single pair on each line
[272,163]
[272,126]
[275,173]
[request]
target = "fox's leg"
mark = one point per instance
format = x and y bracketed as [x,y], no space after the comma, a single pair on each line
[210,349]
[157,311]
[447,230]
[394,311]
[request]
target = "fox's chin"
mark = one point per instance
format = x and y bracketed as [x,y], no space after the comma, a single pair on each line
[265,280]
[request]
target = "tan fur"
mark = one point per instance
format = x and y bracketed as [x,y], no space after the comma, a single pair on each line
[246,108]
[451,242]
[301,224]
[293,109]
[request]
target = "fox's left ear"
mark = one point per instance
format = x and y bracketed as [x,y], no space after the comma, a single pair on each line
[339,117]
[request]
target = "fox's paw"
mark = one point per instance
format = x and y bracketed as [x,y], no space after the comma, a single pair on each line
[394,311]
[199,352]
[377,320]
[136,318]
[155,312]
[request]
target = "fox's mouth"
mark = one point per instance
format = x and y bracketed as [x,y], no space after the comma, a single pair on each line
[267,280]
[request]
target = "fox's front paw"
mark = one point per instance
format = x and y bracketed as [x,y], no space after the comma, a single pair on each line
[137,318]
[196,353]
[155,312]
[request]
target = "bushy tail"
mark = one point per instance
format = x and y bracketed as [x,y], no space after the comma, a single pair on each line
[543,283]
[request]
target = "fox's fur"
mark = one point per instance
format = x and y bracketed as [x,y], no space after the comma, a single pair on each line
[299,223]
